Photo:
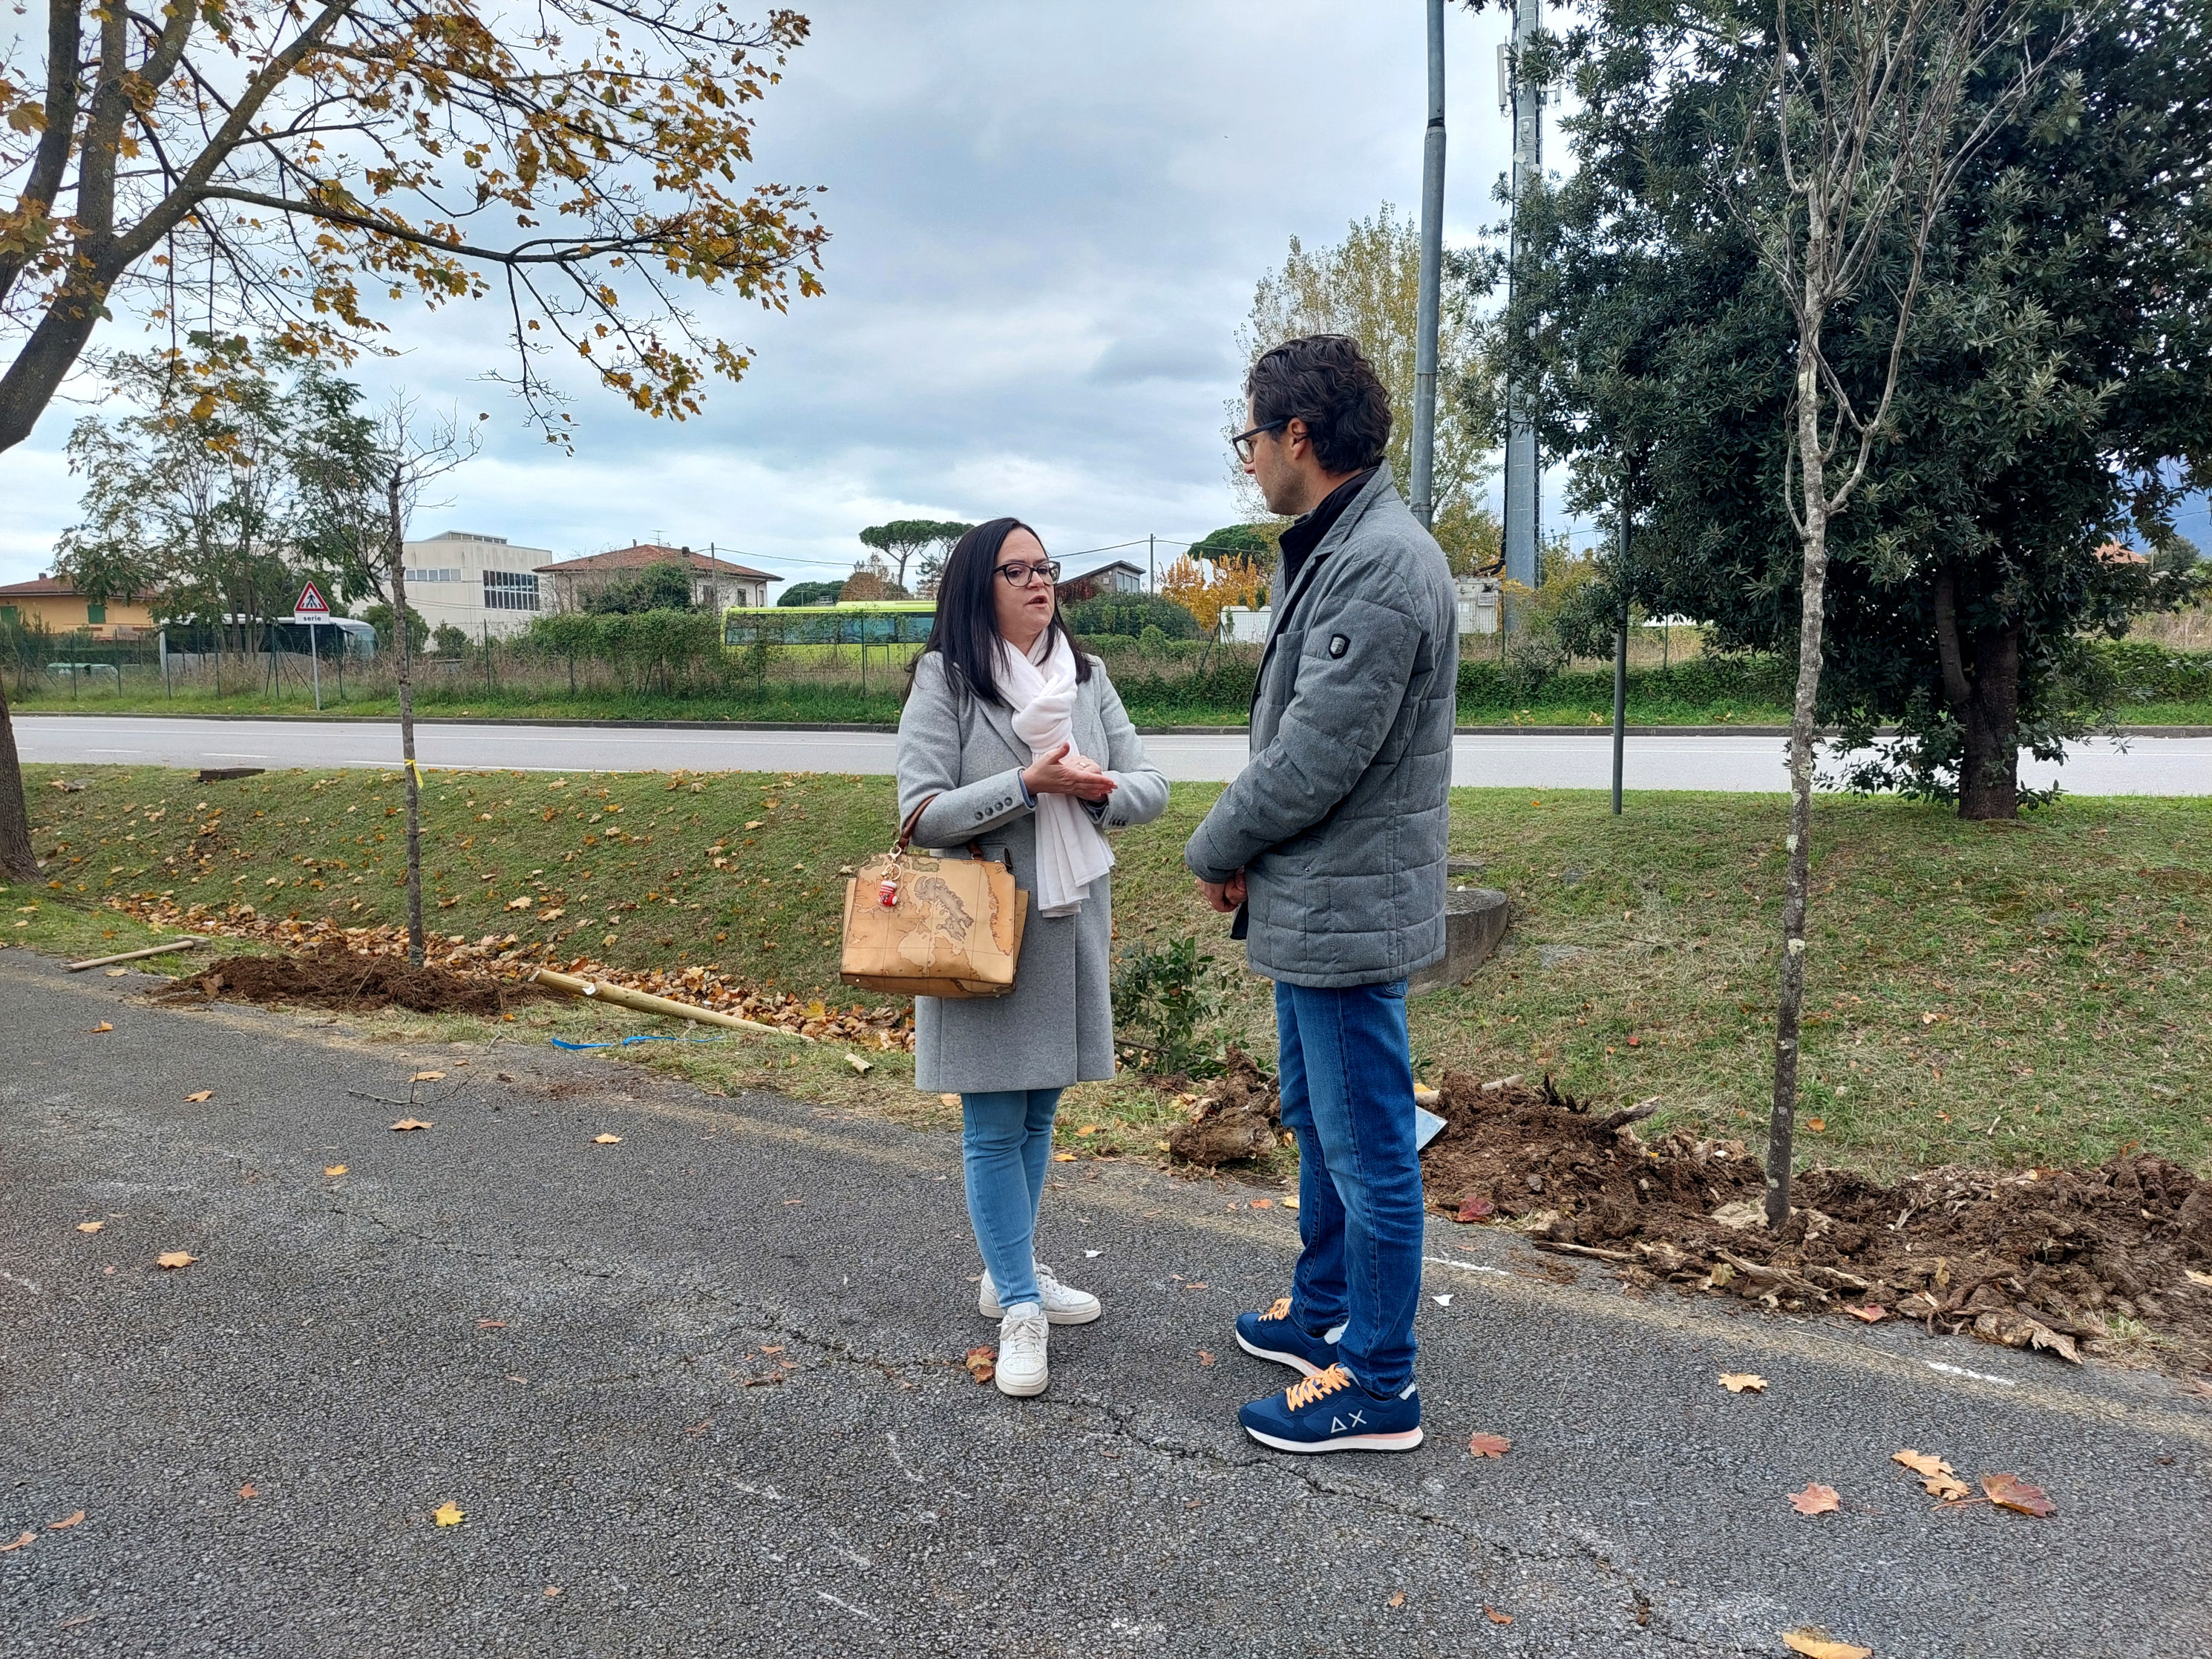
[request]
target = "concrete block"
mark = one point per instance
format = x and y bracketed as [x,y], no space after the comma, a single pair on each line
[1474,921]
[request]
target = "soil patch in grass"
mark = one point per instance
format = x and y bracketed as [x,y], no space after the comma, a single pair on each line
[2073,1261]
[341,980]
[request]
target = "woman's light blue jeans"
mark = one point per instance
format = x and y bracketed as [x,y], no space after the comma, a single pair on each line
[1005,1141]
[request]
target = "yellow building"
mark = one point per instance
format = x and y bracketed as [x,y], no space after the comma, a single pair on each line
[55,603]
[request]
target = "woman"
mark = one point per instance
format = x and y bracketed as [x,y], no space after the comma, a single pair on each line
[1013,740]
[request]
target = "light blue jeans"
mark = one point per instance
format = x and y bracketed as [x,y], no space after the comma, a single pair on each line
[1006,1142]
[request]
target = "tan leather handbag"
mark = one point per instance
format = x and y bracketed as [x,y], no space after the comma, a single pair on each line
[926,927]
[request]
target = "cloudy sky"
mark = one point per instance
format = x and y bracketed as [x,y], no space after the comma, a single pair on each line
[1047,221]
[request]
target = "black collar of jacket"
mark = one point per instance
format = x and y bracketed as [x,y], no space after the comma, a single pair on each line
[1301,538]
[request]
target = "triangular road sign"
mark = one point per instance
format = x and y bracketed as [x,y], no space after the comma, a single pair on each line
[312,606]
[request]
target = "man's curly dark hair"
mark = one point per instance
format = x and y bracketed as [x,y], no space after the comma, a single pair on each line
[1325,380]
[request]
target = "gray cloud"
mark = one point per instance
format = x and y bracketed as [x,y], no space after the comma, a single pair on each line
[1047,222]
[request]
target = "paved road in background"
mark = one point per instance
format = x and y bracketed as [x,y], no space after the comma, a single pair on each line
[556,1336]
[2147,766]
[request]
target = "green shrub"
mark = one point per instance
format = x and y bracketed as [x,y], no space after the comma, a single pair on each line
[1130,614]
[1164,999]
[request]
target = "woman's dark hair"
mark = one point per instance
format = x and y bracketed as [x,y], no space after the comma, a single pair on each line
[1324,381]
[967,627]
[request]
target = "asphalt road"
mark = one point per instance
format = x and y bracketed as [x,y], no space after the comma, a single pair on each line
[557,1336]
[2142,766]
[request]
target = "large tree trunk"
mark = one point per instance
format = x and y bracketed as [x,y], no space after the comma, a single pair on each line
[1981,684]
[17,861]
[1989,774]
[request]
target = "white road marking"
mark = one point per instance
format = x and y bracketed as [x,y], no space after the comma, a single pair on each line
[839,1601]
[1960,1371]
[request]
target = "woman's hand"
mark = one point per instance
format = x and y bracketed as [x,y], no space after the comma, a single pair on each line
[1064,773]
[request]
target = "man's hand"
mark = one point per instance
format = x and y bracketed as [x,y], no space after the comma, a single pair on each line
[1223,896]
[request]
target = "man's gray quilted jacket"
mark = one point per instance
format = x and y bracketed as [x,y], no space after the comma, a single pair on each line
[1339,819]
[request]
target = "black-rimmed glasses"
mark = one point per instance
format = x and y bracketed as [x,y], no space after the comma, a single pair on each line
[1241,443]
[1026,575]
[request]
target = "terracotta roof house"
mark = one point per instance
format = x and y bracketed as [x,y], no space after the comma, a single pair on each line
[57,604]
[716,583]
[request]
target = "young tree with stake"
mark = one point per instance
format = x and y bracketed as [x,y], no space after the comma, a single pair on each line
[1855,147]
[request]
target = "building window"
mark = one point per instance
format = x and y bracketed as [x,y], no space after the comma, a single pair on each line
[436,573]
[510,590]
[95,614]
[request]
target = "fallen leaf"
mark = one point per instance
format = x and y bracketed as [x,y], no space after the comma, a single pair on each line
[447,1514]
[1204,1358]
[1289,1204]
[1816,1124]
[552,1590]
[1488,1445]
[2010,1492]
[817,1010]
[1874,1313]
[1475,1207]
[27,1538]
[1397,1601]
[1938,1478]
[1740,1382]
[411,1123]
[982,1364]
[1088,1130]
[117,973]
[97,1030]
[522,903]
[1815,1499]
[247,1490]
[427,1077]
[606,1141]
[174,1259]
[334,1171]
[950,1100]
[204,1094]
[863,1066]
[1063,1157]
[1263,1203]
[491,1324]
[1496,1617]
[2196,1278]
[752,823]
[1816,1644]
[65,1525]
[90,1226]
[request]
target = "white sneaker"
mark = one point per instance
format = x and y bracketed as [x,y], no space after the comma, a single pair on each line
[1022,1369]
[1063,1304]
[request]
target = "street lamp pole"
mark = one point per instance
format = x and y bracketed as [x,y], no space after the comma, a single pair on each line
[1432,249]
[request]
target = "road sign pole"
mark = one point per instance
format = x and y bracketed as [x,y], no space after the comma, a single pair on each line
[315,665]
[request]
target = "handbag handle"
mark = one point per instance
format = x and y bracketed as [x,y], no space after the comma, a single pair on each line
[906,830]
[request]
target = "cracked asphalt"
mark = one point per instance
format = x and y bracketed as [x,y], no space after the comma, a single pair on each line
[700,1392]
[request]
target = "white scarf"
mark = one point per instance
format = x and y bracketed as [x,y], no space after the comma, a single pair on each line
[1071,853]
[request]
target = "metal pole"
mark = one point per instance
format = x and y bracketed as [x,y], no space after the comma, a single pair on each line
[1423,457]
[1524,508]
[1620,668]
[315,664]
[1152,569]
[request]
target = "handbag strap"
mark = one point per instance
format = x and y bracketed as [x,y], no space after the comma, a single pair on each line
[913,819]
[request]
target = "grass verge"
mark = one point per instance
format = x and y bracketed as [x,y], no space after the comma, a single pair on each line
[2008,995]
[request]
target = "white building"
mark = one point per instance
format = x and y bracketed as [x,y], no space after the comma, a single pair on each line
[476,582]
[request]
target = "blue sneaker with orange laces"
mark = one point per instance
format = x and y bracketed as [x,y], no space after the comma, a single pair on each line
[1276,1335]
[1329,1412]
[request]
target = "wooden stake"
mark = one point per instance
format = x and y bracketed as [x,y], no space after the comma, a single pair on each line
[189,942]
[646,1003]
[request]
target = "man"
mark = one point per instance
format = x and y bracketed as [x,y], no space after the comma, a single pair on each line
[1330,848]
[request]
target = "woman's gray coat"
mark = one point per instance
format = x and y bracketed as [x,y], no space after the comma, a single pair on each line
[1057,1026]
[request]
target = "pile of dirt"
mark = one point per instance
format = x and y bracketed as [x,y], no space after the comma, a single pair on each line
[340,979]
[886,1026]
[1238,1117]
[2066,1260]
